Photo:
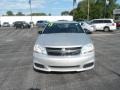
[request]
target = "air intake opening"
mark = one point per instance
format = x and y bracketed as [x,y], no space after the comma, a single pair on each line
[88,65]
[77,66]
[39,65]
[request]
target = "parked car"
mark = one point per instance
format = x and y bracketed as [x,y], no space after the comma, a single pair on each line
[41,24]
[21,24]
[87,26]
[63,20]
[31,23]
[6,24]
[104,24]
[118,24]
[63,46]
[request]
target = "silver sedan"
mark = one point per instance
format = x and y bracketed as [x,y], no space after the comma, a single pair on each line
[63,46]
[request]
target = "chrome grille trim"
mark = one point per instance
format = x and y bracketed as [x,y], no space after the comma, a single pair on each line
[63,51]
[77,66]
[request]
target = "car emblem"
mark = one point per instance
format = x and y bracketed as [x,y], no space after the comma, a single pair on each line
[63,51]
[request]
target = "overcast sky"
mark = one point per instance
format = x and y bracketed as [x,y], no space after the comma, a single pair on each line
[55,7]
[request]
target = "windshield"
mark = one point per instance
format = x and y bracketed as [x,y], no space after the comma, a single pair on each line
[63,28]
[5,22]
[41,21]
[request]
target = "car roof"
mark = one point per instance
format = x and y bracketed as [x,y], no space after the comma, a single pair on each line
[5,22]
[103,19]
[19,22]
[41,20]
[65,22]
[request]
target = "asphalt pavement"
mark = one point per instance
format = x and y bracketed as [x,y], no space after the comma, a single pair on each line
[16,72]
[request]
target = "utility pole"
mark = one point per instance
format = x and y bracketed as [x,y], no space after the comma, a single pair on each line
[88,15]
[30,12]
[73,13]
[106,4]
[74,2]
[0,19]
[105,10]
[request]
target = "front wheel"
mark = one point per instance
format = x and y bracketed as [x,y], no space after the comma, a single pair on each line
[15,27]
[22,27]
[106,29]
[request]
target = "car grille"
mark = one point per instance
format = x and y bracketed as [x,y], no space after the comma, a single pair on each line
[77,66]
[63,51]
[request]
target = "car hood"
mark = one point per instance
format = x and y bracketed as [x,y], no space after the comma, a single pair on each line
[63,40]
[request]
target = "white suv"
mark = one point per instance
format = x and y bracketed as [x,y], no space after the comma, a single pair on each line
[103,24]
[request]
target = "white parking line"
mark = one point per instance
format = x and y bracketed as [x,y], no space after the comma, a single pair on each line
[118,33]
[104,34]
[9,40]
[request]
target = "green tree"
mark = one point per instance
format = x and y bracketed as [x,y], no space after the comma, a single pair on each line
[38,14]
[107,9]
[98,9]
[9,13]
[49,14]
[65,13]
[20,14]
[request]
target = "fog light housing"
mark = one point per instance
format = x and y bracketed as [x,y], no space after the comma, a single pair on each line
[39,65]
[88,65]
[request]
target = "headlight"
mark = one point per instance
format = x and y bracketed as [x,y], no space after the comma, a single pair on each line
[87,49]
[39,49]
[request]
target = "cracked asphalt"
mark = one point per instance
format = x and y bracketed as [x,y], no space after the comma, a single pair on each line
[16,72]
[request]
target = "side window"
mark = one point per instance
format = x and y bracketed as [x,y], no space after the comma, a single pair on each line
[97,21]
[100,21]
[93,22]
[107,21]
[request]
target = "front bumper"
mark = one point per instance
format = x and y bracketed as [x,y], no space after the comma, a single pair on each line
[63,63]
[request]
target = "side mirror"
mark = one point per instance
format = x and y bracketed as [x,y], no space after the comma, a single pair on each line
[87,31]
[82,23]
[39,32]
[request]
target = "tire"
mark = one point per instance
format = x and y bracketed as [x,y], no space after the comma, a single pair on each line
[35,69]
[22,27]
[39,71]
[106,29]
[15,27]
